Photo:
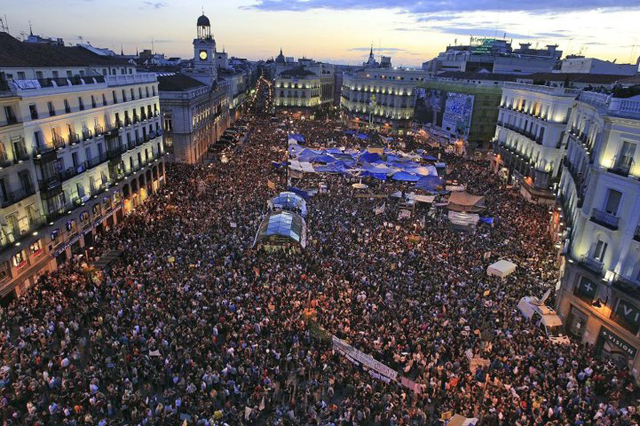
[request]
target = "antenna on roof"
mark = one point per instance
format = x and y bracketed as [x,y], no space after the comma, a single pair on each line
[4,25]
[30,30]
[81,39]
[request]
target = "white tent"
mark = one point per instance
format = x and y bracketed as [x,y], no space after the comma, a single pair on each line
[501,268]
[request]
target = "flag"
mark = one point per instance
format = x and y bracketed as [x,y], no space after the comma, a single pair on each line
[270,184]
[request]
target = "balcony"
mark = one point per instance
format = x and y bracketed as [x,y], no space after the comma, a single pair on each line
[86,134]
[17,196]
[593,265]
[621,166]
[72,172]
[4,160]
[605,219]
[20,154]
[74,138]
[58,142]
[626,286]
[98,130]
[127,122]
[49,183]
[16,235]
[139,141]
[93,162]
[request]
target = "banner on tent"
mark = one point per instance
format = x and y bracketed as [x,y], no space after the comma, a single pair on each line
[464,219]
[368,361]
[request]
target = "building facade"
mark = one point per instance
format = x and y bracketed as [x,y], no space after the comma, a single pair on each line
[599,217]
[298,90]
[380,98]
[529,143]
[195,102]
[194,117]
[77,154]
[461,105]
[582,65]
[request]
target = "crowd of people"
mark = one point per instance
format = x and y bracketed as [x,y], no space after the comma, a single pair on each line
[195,325]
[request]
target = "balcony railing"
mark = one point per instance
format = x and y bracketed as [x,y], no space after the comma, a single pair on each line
[99,159]
[592,264]
[49,183]
[18,195]
[58,142]
[72,172]
[4,160]
[622,166]
[73,138]
[605,219]
[17,235]
[87,134]
[20,154]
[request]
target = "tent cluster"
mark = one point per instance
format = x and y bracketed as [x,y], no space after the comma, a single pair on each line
[383,164]
[284,226]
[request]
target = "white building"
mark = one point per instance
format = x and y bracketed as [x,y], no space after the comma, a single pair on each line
[298,90]
[76,154]
[195,103]
[584,65]
[529,142]
[380,98]
[598,219]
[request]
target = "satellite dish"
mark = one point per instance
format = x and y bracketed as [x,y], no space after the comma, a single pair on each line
[545,297]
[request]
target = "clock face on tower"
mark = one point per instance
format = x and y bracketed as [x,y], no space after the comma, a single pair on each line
[203,55]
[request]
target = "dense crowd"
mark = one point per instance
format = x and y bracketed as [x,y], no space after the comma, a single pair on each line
[193,325]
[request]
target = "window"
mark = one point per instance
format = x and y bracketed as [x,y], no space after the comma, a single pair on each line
[625,159]
[69,74]
[600,251]
[52,110]
[115,97]
[5,271]
[35,249]
[33,109]
[613,202]
[67,107]
[80,103]
[104,100]
[154,90]
[132,95]
[39,75]
[139,92]
[147,91]
[19,260]
[11,117]
[55,74]
[124,96]
[21,75]
[93,101]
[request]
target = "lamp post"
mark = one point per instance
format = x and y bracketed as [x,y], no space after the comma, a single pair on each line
[372,106]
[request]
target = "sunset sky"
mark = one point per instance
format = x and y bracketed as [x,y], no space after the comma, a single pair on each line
[338,31]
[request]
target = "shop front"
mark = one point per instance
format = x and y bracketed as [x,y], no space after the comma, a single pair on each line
[612,346]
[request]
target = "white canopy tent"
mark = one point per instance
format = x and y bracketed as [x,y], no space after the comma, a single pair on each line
[502,268]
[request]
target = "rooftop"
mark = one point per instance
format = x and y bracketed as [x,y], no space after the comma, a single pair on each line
[576,77]
[177,83]
[467,75]
[15,53]
[297,72]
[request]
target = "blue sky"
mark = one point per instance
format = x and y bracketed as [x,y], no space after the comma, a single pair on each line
[336,30]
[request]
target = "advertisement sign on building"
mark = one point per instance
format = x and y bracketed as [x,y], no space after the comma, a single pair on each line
[614,340]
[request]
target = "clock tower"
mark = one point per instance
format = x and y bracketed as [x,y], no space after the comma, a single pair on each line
[204,53]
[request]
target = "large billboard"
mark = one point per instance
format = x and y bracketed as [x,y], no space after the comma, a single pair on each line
[449,111]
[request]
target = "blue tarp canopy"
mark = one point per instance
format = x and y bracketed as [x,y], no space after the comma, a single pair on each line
[308,155]
[430,183]
[295,149]
[325,158]
[297,137]
[405,177]
[430,158]
[300,192]
[349,132]
[334,150]
[279,226]
[379,176]
[290,201]
[362,136]
[488,220]
[370,157]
